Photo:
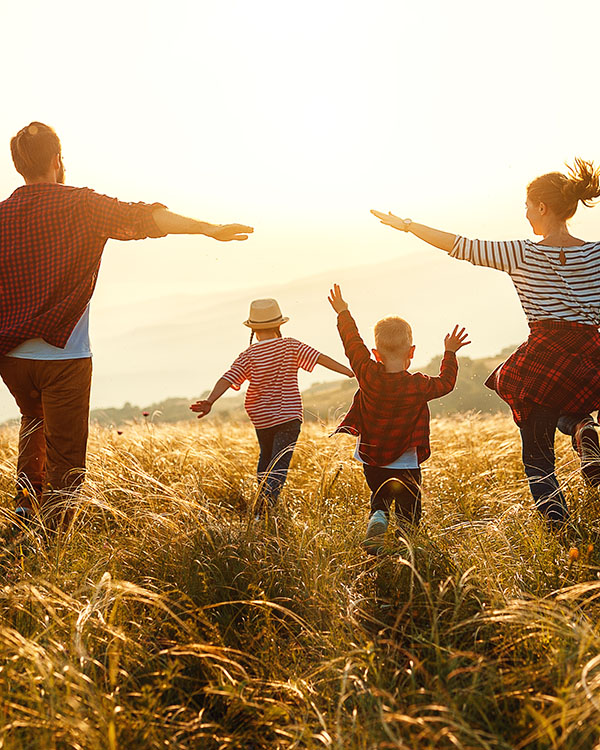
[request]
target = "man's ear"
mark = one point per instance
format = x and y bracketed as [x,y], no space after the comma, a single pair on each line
[377,356]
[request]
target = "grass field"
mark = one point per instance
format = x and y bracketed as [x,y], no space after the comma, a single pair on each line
[168,618]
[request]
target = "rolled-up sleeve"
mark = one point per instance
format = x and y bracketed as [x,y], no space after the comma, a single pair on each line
[114,219]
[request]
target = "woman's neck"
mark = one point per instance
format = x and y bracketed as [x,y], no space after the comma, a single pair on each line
[558,235]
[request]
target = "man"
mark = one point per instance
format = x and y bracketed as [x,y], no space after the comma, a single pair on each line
[51,241]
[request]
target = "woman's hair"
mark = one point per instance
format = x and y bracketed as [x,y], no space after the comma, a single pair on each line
[276,331]
[33,148]
[562,193]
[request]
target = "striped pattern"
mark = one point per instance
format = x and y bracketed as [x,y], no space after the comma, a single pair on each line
[271,366]
[547,288]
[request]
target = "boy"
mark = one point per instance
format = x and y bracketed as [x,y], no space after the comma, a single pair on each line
[390,415]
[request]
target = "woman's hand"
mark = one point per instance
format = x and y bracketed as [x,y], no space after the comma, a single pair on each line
[390,220]
[336,300]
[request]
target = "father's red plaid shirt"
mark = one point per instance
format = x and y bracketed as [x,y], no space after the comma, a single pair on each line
[389,410]
[51,242]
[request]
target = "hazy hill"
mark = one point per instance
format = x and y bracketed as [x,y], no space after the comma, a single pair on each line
[327,400]
[145,351]
[175,344]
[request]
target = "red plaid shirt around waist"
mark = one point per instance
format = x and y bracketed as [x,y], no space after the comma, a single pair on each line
[389,410]
[51,242]
[557,367]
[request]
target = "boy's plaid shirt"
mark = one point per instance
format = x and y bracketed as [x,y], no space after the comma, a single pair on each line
[51,242]
[389,410]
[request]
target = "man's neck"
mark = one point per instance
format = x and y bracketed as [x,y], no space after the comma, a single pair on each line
[41,180]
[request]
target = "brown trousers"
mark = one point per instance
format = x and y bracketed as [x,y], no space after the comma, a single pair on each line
[54,399]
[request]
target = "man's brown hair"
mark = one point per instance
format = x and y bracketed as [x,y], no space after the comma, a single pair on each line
[393,335]
[33,149]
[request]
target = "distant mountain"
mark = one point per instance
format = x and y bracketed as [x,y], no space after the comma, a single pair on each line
[144,351]
[324,401]
[182,344]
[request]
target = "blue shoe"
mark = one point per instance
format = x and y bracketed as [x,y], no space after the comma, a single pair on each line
[376,529]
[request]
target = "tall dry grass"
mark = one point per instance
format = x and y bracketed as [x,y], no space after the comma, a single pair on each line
[168,618]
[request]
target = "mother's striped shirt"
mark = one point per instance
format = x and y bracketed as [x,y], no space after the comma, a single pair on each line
[552,282]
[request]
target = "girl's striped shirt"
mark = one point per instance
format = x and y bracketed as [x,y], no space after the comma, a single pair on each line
[552,282]
[271,366]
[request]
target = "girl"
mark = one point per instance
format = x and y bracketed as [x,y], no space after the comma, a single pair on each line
[553,379]
[273,398]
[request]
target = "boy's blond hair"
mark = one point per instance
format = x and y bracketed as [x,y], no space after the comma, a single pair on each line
[393,335]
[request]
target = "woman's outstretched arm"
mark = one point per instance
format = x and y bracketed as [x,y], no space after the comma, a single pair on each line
[443,240]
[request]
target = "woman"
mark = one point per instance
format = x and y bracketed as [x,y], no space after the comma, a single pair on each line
[553,379]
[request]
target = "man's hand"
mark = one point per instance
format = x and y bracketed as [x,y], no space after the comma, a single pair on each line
[456,340]
[336,300]
[201,408]
[228,232]
[390,220]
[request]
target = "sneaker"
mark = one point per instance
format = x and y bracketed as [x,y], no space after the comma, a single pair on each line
[587,446]
[376,529]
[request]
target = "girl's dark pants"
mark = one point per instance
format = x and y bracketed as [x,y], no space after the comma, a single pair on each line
[537,436]
[405,491]
[276,448]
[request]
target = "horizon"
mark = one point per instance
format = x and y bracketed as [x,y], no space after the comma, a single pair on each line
[298,121]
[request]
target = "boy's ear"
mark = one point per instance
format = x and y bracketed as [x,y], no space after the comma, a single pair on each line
[411,352]
[377,356]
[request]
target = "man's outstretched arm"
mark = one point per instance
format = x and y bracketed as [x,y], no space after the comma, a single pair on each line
[170,223]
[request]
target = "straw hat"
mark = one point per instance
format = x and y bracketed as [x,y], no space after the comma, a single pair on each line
[264,313]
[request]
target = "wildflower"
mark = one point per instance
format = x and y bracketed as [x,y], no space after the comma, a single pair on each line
[145,413]
[590,549]
[119,432]
[573,554]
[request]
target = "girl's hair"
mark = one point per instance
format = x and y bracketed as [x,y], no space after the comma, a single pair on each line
[562,193]
[32,149]
[277,332]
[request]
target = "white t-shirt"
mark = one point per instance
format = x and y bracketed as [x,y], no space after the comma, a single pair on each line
[77,346]
[408,460]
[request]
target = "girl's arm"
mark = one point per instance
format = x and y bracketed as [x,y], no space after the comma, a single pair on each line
[331,364]
[203,407]
[437,238]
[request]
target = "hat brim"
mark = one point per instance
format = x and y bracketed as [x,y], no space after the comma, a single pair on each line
[264,326]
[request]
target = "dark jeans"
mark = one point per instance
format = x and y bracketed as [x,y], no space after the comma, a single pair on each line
[405,491]
[537,436]
[276,448]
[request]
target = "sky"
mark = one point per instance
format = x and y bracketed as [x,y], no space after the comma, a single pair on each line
[299,118]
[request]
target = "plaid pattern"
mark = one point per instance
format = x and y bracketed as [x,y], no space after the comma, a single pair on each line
[557,367]
[389,410]
[51,242]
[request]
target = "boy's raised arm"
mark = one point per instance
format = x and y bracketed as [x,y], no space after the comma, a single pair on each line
[446,380]
[356,351]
